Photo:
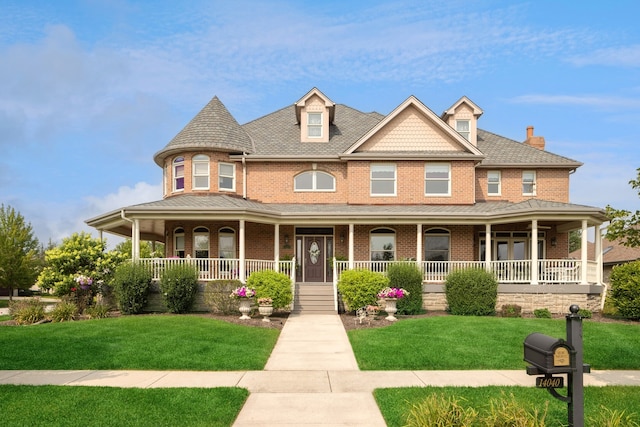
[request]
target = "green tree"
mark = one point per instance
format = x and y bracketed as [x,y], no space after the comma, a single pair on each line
[146,249]
[624,225]
[79,254]
[575,240]
[19,265]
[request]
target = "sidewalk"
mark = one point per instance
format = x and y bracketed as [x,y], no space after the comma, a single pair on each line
[311,378]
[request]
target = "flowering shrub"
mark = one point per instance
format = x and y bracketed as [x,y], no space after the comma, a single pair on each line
[243,292]
[265,301]
[84,281]
[392,293]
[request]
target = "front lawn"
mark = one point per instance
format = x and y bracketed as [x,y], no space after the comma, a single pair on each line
[396,403]
[150,342]
[102,406]
[467,342]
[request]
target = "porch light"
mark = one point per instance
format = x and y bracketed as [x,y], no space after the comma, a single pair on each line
[554,242]
[286,239]
[341,237]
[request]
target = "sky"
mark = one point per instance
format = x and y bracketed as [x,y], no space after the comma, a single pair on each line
[90,90]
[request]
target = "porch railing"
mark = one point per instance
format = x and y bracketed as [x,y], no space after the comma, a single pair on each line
[556,271]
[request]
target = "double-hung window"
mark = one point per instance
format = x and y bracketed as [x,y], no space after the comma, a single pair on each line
[436,245]
[178,174]
[200,172]
[226,176]
[528,183]
[463,128]
[383,179]
[314,125]
[493,183]
[437,179]
[178,242]
[382,244]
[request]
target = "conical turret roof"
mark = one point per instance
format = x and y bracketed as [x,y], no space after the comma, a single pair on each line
[212,128]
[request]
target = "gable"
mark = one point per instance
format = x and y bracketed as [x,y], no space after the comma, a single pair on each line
[410,131]
[412,127]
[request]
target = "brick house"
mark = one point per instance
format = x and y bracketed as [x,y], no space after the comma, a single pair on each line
[318,187]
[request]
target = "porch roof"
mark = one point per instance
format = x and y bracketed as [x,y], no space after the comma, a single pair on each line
[224,207]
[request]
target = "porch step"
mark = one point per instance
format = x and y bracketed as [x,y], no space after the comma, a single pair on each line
[314,299]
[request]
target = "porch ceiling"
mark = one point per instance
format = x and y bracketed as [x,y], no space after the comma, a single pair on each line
[152,216]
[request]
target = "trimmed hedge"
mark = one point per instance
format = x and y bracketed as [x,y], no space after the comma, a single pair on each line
[179,285]
[625,289]
[407,275]
[360,288]
[471,292]
[272,284]
[131,282]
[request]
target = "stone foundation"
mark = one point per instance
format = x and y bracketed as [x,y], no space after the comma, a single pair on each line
[555,298]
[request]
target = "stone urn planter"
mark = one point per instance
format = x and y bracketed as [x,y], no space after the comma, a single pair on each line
[245,308]
[265,311]
[390,308]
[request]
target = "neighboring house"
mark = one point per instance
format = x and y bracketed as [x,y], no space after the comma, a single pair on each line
[317,187]
[613,253]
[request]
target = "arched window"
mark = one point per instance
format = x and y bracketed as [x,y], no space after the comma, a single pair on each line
[382,244]
[201,242]
[200,167]
[227,243]
[314,181]
[437,243]
[178,242]
[178,174]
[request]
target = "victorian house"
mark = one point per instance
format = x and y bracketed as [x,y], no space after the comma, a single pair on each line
[317,187]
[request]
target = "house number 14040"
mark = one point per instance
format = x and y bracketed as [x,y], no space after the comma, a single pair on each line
[550,382]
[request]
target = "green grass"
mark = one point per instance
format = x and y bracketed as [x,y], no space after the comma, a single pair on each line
[4,303]
[395,403]
[102,406]
[5,318]
[461,342]
[155,342]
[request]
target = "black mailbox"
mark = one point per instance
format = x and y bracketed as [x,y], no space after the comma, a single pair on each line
[548,355]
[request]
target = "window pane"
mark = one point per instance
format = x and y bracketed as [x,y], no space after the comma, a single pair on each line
[324,181]
[180,184]
[304,181]
[226,246]
[315,131]
[383,171]
[200,168]
[226,183]
[494,188]
[437,187]
[315,118]
[383,187]
[382,247]
[462,125]
[437,171]
[226,169]
[201,242]
[201,182]
[179,171]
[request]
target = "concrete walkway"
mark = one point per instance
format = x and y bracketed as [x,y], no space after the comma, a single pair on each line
[311,379]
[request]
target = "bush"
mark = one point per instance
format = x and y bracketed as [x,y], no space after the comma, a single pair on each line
[471,292]
[179,285]
[613,418]
[511,310]
[359,288]
[437,410]
[131,283]
[271,284]
[216,296]
[27,311]
[625,289]
[64,311]
[97,311]
[407,276]
[585,313]
[542,313]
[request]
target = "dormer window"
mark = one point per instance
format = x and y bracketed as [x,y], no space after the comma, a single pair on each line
[464,128]
[314,125]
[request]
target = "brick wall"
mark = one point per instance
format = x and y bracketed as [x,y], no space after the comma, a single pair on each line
[551,184]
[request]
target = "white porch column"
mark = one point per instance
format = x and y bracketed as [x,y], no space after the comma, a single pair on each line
[351,246]
[276,246]
[419,243]
[241,237]
[583,254]
[598,248]
[135,240]
[487,247]
[534,252]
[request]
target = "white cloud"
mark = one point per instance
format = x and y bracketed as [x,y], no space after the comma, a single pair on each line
[605,102]
[125,196]
[624,56]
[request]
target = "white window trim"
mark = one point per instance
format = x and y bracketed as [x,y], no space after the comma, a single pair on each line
[178,232]
[436,232]
[499,192]
[233,176]
[315,126]
[465,134]
[174,176]
[448,193]
[384,232]
[314,185]
[394,179]
[204,159]
[532,183]
[205,233]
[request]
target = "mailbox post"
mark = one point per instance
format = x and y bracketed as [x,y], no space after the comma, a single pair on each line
[549,356]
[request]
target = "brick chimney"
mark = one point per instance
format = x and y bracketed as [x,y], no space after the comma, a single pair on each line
[534,141]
